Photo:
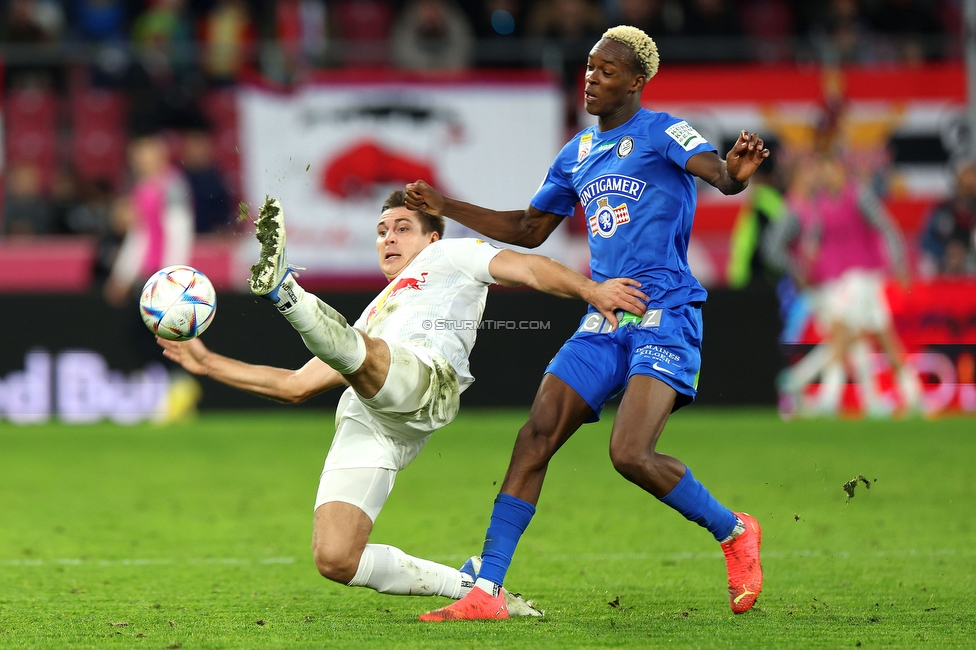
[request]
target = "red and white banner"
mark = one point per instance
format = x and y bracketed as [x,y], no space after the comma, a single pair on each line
[332,152]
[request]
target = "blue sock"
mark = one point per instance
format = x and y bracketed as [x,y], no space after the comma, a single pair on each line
[690,498]
[509,518]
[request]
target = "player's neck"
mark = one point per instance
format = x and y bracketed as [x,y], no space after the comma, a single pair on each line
[618,118]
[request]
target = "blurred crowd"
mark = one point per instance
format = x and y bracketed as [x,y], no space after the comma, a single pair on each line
[170,63]
[216,41]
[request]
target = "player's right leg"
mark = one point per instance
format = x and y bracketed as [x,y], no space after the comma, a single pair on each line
[557,412]
[325,331]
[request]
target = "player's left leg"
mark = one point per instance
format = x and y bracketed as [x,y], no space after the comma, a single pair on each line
[644,410]
[350,500]
[368,450]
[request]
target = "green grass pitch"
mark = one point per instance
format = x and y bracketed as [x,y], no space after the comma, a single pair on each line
[197,536]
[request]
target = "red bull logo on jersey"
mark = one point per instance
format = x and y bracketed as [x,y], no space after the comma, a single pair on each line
[394,288]
[605,220]
[631,188]
[407,283]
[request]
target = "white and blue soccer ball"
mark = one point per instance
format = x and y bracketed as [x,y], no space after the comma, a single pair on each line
[178,303]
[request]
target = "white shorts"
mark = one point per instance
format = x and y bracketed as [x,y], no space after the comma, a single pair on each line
[388,430]
[857,299]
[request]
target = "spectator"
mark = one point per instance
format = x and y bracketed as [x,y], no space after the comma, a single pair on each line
[495,19]
[712,18]
[842,34]
[913,26]
[300,30]
[948,241]
[656,17]
[120,218]
[63,197]
[34,23]
[572,26]
[769,26]
[833,226]
[432,35]
[363,29]
[571,22]
[228,37]
[26,211]
[765,204]
[91,213]
[161,231]
[165,32]
[211,200]
[100,21]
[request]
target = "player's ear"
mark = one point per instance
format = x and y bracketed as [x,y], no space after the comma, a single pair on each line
[640,80]
[434,236]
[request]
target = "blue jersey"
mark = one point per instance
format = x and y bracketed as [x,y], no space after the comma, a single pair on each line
[638,199]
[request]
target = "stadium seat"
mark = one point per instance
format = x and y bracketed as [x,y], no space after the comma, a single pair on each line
[30,116]
[99,138]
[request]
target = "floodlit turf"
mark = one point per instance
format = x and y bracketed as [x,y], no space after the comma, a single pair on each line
[197,536]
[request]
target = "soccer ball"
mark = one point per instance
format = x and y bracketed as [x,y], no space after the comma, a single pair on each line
[178,303]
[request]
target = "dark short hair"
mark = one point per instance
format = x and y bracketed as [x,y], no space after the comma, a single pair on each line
[428,222]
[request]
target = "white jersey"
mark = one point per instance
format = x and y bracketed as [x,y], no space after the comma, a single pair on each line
[436,302]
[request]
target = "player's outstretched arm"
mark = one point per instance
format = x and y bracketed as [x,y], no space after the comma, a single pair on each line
[528,228]
[280,384]
[730,176]
[544,274]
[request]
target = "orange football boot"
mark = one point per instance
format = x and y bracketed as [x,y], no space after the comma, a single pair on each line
[477,605]
[743,565]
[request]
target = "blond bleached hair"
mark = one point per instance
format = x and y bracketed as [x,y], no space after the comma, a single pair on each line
[643,46]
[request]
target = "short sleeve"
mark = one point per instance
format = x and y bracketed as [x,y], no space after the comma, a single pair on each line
[681,141]
[472,257]
[555,197]
[557,194]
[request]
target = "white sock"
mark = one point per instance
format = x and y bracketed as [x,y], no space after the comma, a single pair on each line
[831,387]
[389,570]
[488,587]
[804,370]
[910,387]
[863,366]
[325,331]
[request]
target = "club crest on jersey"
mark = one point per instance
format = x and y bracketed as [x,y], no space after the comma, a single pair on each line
[625,147]
[586,141]
[605,220]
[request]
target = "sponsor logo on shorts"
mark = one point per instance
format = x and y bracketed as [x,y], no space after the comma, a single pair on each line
[664,359]
[658,367]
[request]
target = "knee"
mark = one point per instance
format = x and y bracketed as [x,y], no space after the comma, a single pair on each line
[334,564]
[631,461]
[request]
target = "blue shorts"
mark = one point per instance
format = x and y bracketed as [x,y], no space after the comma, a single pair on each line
[597,364]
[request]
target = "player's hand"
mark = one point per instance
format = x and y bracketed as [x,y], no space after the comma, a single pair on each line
[192,354]
[424,198]
[745,156]
[617,293]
